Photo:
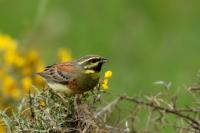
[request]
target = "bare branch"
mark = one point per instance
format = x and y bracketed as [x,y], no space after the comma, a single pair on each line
[194,122]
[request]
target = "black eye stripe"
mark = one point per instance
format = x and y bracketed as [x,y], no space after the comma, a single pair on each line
[94,60]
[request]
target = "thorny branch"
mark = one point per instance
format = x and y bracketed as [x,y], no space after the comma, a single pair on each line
[194,123]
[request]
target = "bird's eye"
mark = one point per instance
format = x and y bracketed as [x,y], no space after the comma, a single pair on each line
[93,61]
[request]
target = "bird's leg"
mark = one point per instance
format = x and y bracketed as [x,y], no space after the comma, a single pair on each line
[61,96]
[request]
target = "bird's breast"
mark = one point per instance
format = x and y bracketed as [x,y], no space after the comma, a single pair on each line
[60,88]
[89,81]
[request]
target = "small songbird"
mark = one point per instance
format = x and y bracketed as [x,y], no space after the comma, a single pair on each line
[76,76]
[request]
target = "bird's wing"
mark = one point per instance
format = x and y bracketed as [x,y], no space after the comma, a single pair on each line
[60,73]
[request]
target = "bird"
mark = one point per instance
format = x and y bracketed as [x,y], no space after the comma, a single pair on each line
[76,76]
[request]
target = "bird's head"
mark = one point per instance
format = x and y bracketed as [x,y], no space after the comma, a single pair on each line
[92,62]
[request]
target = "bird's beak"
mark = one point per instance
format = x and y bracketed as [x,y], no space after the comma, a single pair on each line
[104,60]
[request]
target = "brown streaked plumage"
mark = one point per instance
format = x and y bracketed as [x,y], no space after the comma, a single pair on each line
[76,76]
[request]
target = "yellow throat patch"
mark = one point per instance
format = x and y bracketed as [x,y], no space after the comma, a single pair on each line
[89,71]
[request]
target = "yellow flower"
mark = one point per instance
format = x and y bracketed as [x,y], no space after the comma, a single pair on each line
[15,93]
[10,88]
[39,67]
[105,84]
[7,43]
[42,103]
[39,82]
[27,71]
[26,83]
[105,87]
[2,128]
[64,55]
[33,56]
[19,61]
[10,57]
[8,83]
[108,74]
[3,73]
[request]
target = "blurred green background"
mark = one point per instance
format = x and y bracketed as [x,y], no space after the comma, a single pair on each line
[145,40]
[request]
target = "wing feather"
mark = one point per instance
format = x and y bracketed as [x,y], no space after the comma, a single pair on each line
[59,73]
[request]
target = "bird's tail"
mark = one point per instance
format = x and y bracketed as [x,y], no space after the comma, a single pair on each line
[39,73]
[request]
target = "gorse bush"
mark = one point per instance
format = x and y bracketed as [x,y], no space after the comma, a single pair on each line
[17,71]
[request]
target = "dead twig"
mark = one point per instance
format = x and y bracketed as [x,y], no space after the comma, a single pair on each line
[195,124]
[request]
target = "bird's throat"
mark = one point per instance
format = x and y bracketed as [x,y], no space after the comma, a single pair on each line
[89,71]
